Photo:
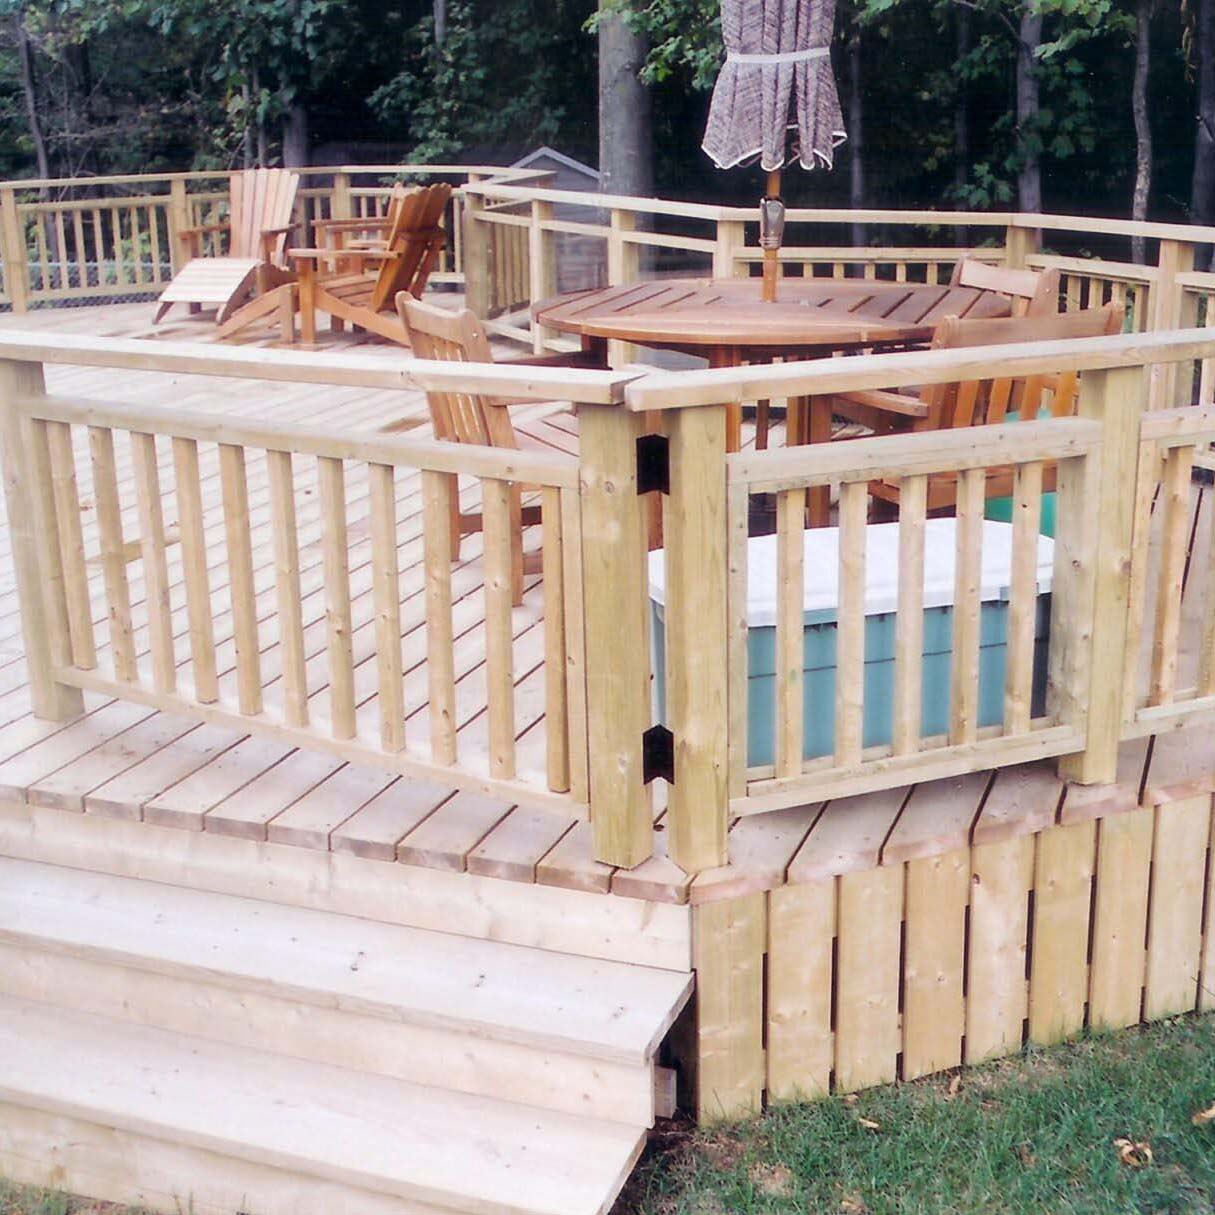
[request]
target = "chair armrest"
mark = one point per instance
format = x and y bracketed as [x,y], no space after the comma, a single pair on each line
[352,225]
[902,403]
[569,358]
[329,255]
[204,229]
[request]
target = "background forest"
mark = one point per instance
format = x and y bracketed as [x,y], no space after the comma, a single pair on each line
[969,103]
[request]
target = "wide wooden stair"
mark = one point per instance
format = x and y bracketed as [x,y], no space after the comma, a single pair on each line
[189,1050]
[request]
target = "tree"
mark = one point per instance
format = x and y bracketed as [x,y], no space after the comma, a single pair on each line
[1202,188]
[625,136]
[1143,126]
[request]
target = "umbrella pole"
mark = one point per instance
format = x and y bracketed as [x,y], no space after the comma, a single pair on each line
[771,249]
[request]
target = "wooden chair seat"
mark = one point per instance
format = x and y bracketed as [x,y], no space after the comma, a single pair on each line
[262,205]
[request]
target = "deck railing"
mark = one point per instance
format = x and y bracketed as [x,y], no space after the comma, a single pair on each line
[282,580]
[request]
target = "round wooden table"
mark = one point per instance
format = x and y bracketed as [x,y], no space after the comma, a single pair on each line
[725,321]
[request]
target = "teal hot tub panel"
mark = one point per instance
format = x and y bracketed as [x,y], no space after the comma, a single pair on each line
[819,684]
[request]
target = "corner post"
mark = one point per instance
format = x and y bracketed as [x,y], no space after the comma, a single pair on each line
[13,252]
[1020,243]
[1176,258]
[617,630]
[1114,398]
[542,268]
[697,638]
[476,252]
[36,559]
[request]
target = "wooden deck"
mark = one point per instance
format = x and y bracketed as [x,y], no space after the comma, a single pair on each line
[125,761]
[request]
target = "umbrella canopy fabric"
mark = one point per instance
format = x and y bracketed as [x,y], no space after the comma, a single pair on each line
[777,78]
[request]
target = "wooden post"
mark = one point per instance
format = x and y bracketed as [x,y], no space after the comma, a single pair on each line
[478,271]
[13,253]
[1167,387]
[617,655]
[35,550]
[1020,243]
[1115,398]
[340,203]
[624,266]
[697,640]
[179,221]
[731,237]
[542,267]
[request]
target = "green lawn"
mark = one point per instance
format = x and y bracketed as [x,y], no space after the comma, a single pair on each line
[1032,1134]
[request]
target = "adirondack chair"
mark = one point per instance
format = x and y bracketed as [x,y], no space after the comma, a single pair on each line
[262,202]
[997,398]
[1033,292]
[351,293]
[485,421]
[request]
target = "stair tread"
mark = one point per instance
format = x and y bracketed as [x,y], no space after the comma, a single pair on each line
[471,1154]
[607,1010]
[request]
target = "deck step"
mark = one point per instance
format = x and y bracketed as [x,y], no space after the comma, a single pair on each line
[555,1031]
[328,1136]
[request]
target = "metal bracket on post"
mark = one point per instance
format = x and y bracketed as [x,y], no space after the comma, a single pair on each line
[658,755]
[653,464]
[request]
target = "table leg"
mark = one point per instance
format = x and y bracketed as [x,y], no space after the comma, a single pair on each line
[307,296]
[728,356]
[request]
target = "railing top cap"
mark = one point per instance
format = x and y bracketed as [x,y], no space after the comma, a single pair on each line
[859,373]
[316,367]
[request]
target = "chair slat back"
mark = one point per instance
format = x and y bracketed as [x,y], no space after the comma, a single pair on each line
[1033,292]
[456,337]
[975,402]
[260,200]
[416,235]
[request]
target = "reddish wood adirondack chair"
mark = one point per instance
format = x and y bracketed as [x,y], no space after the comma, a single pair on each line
[1033,292]
[262,203]
[349,293]
[460,417]
[988,401]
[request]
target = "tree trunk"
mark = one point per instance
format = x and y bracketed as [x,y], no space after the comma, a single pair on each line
[29,90]
[1202,191]
[295,136]
[1143,127]
[1029,178]
[248,152]
[440,11]
[961,122]
[626,160]
[856,136]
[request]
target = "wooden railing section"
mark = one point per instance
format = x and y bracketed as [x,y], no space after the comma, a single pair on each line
[299,583]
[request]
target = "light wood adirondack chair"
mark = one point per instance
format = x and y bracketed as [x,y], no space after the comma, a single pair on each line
[479,419]
[989,401]
[413,240]
[262,203]
[1033,292]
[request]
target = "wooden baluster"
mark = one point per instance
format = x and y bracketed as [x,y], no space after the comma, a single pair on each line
[234,486]
[556,694]
[36,552]
[438,495]
[906,727]
[71,545]
[850,625]
[194,570]
[790,632]
[285,535]
[1022,598]
[331,477]
[1178,463]
[499,639]
[154,232]
[64,282]
[120,270]
[573,595]
[738,510]
[113,553]
[1145,492]
[386,592]
[155,563]
[82,273]
[967,606]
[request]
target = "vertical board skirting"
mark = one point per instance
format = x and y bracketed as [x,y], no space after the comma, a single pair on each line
[903,969]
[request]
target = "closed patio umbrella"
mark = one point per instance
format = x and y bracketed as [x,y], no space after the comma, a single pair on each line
[776,82]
